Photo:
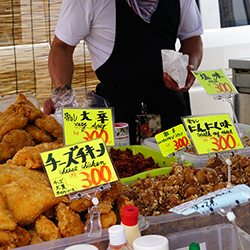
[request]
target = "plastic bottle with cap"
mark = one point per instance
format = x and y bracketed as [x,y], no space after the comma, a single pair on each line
[117,238]
[194,246]
[130,222]
[151,242]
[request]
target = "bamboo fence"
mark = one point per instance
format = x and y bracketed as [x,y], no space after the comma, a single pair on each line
[26,32]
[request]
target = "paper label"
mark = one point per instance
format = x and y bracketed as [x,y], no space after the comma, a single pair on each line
[79,167]
[87,124]
[215,82]
[211,202]
[215,133]
[172,140]
[202,247]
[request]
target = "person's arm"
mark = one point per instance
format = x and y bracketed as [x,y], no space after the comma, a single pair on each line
[194,48]
[61,68]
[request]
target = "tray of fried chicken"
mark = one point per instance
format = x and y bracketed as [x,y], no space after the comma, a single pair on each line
[29,211]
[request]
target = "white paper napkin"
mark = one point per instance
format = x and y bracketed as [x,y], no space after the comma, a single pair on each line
[175,64]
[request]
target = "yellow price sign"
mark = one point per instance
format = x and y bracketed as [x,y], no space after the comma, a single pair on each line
[213,133]
[172,140]
[87,124]
[215,82]
[78,167]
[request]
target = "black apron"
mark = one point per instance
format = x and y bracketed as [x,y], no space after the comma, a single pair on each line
[133,73]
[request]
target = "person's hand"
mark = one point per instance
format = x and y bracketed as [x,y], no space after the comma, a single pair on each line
[48,107]
[190,79]
[171,84]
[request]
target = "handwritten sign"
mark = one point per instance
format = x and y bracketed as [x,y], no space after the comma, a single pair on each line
[215,82]
[78,167]
[87,124]
[213,133]
[172,140]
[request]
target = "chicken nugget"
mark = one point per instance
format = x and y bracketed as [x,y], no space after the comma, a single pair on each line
[7,237]
[49,124]
[27,108]
[10,119]
[38,134]
[14,141]
[108,220]
[23,237]
[10,173]
[46,229]
[35,238]
[69,222]
[82,204]
[7,221]
[27,199]
[30,158]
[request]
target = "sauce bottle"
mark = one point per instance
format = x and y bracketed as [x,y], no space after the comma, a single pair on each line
[117,238]
[130,222]
[151,242]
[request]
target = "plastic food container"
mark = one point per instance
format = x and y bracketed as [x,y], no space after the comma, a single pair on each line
[218,237]
[164,162]
[7,100]
[200,161]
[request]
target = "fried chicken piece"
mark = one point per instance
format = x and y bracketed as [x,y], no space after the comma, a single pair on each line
[35,238]
[7,246]
[69,222]
[30,158]
[108,220]
[10,173]
[49,124]
[23,237]
[213,162]
[27,199]
[109,197]
[46,229]
[39,135]
[82,204]
[201,176]
[27,108]
[121,202]
[12,142]
[7,237]
[10,119]
[7,221]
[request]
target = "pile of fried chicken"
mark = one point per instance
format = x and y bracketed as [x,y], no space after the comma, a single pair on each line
[29,211]
[155,196]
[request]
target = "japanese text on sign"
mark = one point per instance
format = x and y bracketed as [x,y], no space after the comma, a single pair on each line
[213,133]
[87,124]
[78,167]
[215,82]
[172,140]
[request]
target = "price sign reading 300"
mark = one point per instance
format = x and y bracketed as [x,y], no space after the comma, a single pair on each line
[172,140]
[80,166]
[215,82]
[214,133]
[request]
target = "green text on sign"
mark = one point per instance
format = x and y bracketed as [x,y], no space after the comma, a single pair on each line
[78,167]
[87,124]
[213,133]
[215,82]
[172,140]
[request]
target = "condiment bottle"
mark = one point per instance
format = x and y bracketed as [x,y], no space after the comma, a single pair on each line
[194,246]
[130,222]
[151,242]
[117,238]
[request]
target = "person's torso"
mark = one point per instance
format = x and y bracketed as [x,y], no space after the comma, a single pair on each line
[135,62]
